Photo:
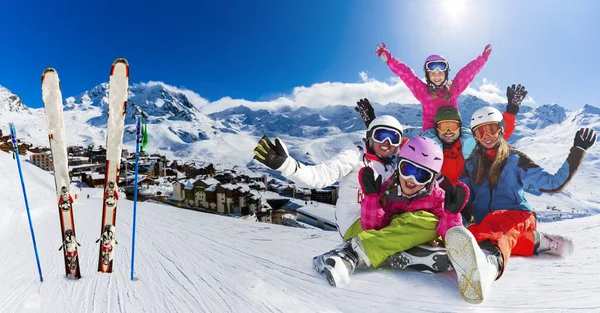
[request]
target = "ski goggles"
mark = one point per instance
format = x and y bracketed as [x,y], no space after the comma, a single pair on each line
[444,126]
[436,65]
[491,130]
[381,134]
[419,174]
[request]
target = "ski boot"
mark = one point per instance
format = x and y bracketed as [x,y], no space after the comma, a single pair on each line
[339,263]
[553,244]
[476,270]
[424,258]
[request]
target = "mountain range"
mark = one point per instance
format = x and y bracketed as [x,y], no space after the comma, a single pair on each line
[178,128]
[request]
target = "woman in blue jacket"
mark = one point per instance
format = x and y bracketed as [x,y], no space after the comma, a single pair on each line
[504,222]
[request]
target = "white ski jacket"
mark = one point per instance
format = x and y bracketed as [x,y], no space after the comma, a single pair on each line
[344,168]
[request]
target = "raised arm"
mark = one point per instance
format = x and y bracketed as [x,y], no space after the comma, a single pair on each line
[514,95]
[275,156]
[536,180]
[466,74]
[406,74]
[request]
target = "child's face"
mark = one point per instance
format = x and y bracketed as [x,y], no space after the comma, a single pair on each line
[409,186]
[437,77]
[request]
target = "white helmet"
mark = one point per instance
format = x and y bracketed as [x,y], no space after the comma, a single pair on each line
[387,121]
[382,121]
[487,115]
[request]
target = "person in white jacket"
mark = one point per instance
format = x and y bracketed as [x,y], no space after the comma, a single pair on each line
[381,145]
[384,136]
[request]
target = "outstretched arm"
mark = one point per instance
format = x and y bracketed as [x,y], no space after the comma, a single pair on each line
[466,74]
[406,74]
[536,180]
[275,156]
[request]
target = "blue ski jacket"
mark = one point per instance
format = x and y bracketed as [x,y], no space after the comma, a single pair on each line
[519,175]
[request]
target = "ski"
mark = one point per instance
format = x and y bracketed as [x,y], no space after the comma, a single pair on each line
[53,106]
[117,103]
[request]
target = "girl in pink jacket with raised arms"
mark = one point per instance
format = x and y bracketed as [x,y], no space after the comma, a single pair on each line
[438,91]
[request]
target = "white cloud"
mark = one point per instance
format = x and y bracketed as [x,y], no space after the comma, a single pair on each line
[323,94]
[492,92]
[488,91]
[363,77]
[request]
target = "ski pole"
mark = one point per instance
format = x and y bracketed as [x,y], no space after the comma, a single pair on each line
[138,127]
[13,135]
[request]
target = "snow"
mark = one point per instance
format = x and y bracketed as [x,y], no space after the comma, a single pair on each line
[323,211]
[188,261]
[210,181]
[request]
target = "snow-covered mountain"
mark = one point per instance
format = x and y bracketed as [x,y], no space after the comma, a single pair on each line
[11,103]
[188,261]
[178,128]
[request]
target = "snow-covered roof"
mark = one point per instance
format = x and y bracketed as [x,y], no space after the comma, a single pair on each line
[265,207]
[211,188]
[198,164]
[255,195]
[97,176]
[78,158]
[243,187]
[210,181]
[177,163]
[322,211]
[230,186]
[189,184]
[259,184]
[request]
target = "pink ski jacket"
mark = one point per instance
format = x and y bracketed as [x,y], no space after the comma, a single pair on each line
[419,88]
[374,216]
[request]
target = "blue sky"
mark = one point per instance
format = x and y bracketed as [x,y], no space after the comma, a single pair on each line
[259,50]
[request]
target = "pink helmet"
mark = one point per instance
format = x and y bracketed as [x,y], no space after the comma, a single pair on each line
[434,57]
[444,67]
[423,151]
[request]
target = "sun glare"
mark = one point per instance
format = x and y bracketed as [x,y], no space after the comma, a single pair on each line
[454,7]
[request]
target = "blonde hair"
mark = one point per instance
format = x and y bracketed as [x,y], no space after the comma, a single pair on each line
[492,171]
[433,92]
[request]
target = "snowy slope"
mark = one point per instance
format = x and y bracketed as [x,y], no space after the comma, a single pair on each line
[188,261]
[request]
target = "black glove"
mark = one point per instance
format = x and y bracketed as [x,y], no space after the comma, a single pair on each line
[454,202]
[269,154]
[364,108]
[367,181]
[515,95]
[584,138]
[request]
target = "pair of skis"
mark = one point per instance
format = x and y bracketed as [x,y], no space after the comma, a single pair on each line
[117,103]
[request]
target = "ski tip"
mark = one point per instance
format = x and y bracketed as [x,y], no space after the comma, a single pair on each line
[117,62]
[121,60]
[47,71]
